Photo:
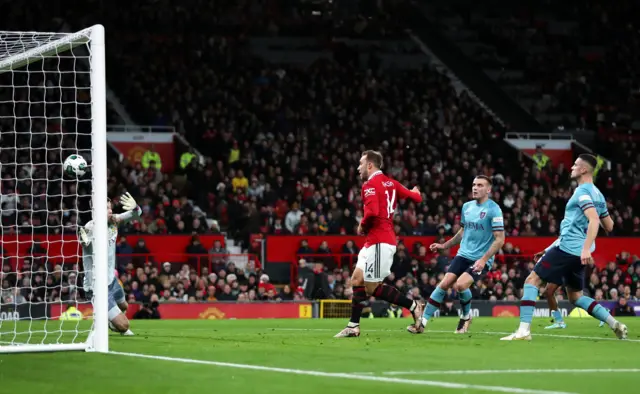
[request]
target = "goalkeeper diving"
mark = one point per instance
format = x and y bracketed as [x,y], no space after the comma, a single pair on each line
[118,321]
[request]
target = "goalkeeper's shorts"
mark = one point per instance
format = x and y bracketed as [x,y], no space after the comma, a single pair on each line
[115,296]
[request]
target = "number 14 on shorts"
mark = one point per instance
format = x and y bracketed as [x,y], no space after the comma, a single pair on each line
[369,268]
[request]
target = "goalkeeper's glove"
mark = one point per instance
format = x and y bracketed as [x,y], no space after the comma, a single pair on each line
[84,239]
[128,202]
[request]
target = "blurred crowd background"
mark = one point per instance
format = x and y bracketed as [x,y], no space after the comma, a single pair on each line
[281,97]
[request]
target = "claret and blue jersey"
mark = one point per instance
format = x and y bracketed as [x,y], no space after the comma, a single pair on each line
[573,229]
[479,222]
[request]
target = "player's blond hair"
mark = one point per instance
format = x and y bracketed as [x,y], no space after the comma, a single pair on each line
[374,157]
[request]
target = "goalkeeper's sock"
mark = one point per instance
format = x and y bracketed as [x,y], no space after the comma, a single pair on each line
[596,310]
[527,305]
[465,303]
[357,303]
[393,296]
[434,302]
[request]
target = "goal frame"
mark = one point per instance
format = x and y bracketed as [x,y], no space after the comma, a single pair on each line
[98,340]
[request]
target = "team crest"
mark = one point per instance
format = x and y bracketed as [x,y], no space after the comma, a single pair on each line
[483,214]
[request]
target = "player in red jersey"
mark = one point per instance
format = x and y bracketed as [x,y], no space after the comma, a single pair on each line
[380,195]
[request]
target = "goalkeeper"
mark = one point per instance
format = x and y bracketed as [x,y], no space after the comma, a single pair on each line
[117,303]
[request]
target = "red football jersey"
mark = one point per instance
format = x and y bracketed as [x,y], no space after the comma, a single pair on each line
[380,195]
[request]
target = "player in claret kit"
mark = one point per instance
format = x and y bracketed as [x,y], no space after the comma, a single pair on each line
[117,304]
[380,195]
[550,292]
[564,260]
[480,238]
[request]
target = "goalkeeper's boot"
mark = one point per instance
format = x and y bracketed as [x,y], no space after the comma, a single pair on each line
[348,332]
[463,326]
[620,330]
[517,336]
[129,333]
[556,326]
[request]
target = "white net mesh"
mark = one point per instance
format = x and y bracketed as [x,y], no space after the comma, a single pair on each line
[45,116]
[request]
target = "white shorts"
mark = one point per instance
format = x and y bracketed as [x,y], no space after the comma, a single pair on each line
[375,261]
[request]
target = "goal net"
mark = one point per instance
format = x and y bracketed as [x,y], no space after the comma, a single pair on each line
[52,105]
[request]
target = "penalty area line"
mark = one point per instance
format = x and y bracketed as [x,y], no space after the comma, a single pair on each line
[382,379]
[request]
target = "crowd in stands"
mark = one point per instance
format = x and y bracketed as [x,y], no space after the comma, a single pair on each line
[281,143]
[415,271]
[577,60]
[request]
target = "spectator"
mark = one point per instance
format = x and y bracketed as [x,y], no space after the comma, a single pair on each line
[140,251]
[124,252]
[219,255]
[239,182]
[304,248]
[623,308]
[195,248]
[293,218]
[226,294]
[264,283]
[149,310]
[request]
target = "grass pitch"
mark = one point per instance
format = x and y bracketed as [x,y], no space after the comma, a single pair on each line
[301,356]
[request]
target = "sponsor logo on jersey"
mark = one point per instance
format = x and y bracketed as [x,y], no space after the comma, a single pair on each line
[387,184]
[497,221]
[474,226]
[369,192]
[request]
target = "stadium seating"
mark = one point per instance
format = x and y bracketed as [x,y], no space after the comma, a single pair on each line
[569,65]
[283,138]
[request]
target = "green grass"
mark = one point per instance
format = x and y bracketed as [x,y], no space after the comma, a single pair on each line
[308,345]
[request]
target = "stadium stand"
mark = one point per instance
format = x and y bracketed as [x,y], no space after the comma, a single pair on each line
[569,64]
[282,140]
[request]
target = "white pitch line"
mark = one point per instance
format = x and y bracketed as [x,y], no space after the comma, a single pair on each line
[449,385]
[471,333]
[504,371]
[544,335]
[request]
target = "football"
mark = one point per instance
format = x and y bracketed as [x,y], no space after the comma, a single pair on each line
[75,165]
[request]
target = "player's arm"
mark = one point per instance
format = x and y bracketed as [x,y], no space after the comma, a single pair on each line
[404,193]
[496,245]
[455,240]
[592,233]
[497,227]
[371,207]
[130,205]
[606,222]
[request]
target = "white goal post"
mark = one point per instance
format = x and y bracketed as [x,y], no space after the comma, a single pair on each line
[52,104]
